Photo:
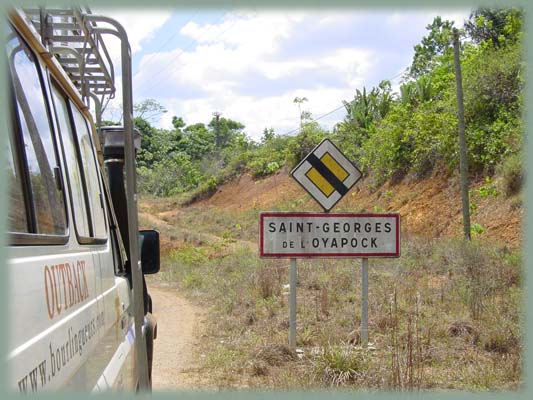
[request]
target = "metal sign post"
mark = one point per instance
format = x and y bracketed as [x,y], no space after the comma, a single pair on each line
[292,306]
[327,175]
[329,235]
[364,303]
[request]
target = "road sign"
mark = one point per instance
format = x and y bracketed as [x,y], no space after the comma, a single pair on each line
[302,235]
[326,174]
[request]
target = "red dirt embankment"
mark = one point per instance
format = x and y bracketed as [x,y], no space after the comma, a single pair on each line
[430,207]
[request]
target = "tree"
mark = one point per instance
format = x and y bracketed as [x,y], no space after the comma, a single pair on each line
[178,123]
[407,93]
[365,108]
[149,144]
[227,128]
[149,110]
[417,92]
[198,141]
[360,110]
[268,135]
[302,144]
[496,27]
[299,101]
[362,113]
[384,99]
[436,43]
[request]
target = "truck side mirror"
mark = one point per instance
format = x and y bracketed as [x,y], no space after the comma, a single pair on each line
[149,249]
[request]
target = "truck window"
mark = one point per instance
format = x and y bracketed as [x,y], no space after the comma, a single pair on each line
[17,221]
[36,148]
[78,192]
[91,173]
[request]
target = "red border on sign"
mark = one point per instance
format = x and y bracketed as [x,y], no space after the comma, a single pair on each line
[327,215]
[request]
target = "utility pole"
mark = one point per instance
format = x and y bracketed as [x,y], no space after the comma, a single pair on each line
[463,161]
[216,114]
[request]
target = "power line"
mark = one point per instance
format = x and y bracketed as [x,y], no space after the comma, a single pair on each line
[172,36]
[173,59]
[159,81]
[338,108]
[497,26]
[317,118]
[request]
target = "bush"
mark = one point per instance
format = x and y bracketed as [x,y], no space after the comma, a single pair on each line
[492,82]
[172,175]
[434,135]
[203,191]
[302,144]
[512,172]
[387,149]
[337,366]
[500,340]
[265,161]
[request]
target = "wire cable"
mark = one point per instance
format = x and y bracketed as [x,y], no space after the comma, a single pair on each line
[463,34]
[172,36]
[174,59]
[338,108]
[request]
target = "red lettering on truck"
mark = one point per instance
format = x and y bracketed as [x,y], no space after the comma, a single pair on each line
[65,285]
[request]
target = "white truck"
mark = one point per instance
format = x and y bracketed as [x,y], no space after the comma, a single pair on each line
[79,311]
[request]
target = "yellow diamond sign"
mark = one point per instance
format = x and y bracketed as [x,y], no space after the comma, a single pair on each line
[326,174]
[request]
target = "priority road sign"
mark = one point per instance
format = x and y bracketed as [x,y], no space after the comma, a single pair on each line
[326,174]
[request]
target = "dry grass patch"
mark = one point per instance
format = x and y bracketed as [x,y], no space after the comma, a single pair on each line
[446,315]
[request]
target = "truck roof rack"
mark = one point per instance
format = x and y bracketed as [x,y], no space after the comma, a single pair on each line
[77,45]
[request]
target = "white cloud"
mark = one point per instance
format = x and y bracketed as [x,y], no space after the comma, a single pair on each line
[250,66]
[140,24]
[457,16]
[256,114]
[277,69]
[425,17]
[241,47]
[250,30]
[354,64]
[239,44]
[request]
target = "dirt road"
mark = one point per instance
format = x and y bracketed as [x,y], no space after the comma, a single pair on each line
[178,326]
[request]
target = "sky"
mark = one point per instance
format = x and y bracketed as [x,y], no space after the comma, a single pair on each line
[250,64]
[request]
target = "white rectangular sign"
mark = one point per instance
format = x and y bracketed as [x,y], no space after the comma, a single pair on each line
[301,235]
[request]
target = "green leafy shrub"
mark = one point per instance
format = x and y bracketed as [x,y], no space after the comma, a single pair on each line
[434,138]
[204,190]
[172,175]
[476,229]
[489,189]
[388,147]
[302,144]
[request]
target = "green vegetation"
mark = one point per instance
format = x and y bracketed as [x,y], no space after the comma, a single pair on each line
[446,315]
[417,131]
[513,174]
[389,134]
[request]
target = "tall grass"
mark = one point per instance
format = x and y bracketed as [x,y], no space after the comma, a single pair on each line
[446,315]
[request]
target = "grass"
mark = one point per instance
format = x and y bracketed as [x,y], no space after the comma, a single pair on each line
[512,172]
[446,315]
[342,365]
